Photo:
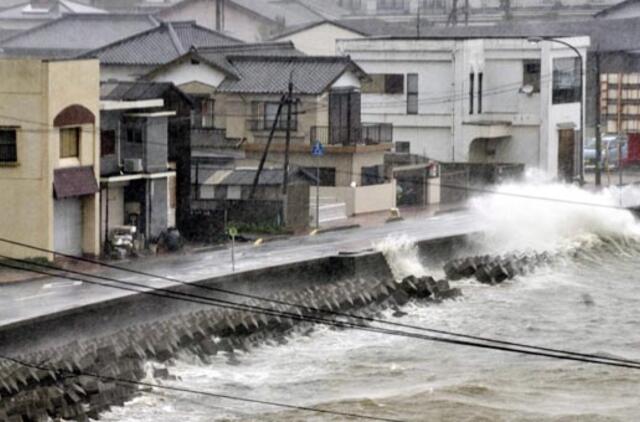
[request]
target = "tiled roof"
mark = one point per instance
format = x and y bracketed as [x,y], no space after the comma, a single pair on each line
[268,177]
[74,34]
[270,75]
[137,91]
[217,56]
[606,34]
[287,12]
[300,28]
[160,45]
[26,11]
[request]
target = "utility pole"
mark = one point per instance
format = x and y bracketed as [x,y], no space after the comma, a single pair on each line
[453,15]
[418,22]
[466,12]
[285,178]
[266,148]
[598,122]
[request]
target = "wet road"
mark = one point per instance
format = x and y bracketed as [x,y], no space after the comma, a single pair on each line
[25,301]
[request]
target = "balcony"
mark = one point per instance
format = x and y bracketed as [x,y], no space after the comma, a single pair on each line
[367,134]
[259,125]
[204,137]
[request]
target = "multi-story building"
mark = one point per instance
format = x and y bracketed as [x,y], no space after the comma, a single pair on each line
[477,99]
[49,156]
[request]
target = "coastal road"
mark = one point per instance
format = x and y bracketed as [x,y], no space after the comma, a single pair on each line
[32,299]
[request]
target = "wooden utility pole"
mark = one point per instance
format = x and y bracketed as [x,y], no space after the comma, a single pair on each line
[266,148]
[598,121]
[285,178]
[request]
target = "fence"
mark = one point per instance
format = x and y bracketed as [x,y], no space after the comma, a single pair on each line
[366,134]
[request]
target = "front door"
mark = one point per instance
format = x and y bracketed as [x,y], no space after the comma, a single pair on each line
[566,154]
[67,226]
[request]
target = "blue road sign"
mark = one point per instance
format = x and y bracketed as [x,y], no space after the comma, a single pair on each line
[317,150]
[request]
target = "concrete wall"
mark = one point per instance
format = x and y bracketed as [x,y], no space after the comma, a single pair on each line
[361,199]
[156,144]
[319,40]
[32,93]
[158,207]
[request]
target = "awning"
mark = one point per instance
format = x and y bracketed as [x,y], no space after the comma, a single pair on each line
[74,181]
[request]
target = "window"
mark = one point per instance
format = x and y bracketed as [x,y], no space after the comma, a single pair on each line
[531,74]
[566,81]
[70,142]
[327,175]
[471,88]
[371,176]
[8,148]
[206,117]
[480,77]
[270,112]
[384,84]
[134,133]
[392,5]
[412,93]
[403,147]
[107,142]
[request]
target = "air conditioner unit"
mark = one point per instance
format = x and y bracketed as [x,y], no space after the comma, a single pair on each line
[133,165]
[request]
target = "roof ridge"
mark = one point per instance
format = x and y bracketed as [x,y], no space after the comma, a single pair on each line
[95,51]
[328,59]
[175,39]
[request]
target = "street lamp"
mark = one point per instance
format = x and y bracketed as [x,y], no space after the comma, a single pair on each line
[536,40]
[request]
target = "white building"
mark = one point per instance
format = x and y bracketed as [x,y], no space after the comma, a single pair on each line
[476,100]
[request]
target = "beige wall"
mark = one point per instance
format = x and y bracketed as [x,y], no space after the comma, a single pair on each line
[362,199]
[32,93]
[319,40]
[237,23]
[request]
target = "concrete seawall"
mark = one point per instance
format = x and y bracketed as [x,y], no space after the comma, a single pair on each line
[117,337]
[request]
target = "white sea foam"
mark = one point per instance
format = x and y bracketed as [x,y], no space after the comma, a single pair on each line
[541,215]
[402,256]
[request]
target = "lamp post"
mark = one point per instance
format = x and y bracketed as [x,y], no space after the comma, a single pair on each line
[536,40]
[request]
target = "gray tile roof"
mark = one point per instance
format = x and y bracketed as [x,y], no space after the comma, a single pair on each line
[25,11]
[268,177]
[136,91]
[286,12]
[73,34]
[270,75]
[160,45]
[606,34]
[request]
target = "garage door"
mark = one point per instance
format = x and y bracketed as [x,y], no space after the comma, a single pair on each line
[68,226]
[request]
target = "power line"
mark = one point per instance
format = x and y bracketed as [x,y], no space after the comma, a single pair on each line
[596,359]
[193,391]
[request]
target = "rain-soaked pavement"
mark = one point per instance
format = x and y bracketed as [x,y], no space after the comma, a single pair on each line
[36,298]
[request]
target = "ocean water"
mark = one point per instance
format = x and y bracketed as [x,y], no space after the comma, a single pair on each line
[587,303]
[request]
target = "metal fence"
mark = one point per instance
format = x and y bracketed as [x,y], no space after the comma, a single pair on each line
[366,134]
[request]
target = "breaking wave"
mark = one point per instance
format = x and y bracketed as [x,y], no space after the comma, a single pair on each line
[545,216]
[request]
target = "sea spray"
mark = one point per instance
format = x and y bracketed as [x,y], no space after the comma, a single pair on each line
[403,257]
[543,216]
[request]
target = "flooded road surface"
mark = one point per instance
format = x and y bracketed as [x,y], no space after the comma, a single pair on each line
[585,304]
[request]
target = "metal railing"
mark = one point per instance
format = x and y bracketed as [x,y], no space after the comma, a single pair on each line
[366,134]
[258,125]
[208,137]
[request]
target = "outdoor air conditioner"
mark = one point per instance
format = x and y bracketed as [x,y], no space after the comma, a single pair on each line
[133,165]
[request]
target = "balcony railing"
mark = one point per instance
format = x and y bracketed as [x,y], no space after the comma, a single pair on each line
[366,134]
[257,125]
[202,137]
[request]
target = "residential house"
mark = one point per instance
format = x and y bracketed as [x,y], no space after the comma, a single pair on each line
[319,38]
[251,20]
[74,34]
[145,144]
[49,156]
[32,13]
[483,100]
[131,58]
[248,89]
[326,110]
